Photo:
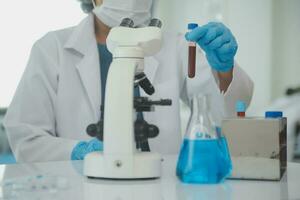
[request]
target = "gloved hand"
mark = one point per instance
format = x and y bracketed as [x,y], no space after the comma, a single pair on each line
[83,148]
[218,43]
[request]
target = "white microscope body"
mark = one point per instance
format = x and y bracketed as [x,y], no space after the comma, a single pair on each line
[120,159]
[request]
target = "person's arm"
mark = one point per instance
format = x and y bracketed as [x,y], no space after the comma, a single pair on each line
[30,121]
[220,47]
[240,88]
[225,79]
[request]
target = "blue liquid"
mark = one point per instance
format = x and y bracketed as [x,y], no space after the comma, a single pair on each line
[204,161]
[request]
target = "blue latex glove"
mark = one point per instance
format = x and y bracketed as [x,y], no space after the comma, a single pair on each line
[83,148]
[218,43]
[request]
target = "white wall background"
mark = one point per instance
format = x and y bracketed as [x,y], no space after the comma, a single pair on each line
[176,14]
[251,22]
[22,23]
[286,46]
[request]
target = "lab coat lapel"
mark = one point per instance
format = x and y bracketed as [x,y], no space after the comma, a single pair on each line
[89,72]
[84,42]
[151,65]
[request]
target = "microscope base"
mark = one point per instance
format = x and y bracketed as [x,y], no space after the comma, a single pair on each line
[140,165]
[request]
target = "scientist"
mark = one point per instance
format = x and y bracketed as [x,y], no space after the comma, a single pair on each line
[63,85]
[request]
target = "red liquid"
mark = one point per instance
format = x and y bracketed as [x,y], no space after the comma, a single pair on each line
[192,61]
[241,114]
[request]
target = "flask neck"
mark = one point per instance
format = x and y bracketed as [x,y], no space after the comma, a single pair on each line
[200,124]
[199,105]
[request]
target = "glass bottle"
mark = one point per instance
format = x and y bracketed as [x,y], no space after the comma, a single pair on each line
[204,155]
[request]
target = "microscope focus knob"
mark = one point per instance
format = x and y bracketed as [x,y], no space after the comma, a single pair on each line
[92,130]
[143,130]
[95,130]
[153,131]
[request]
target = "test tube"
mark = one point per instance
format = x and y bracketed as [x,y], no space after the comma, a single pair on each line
[192,53]
[240,108]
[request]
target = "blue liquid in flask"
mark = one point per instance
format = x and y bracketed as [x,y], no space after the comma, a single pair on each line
[204,161]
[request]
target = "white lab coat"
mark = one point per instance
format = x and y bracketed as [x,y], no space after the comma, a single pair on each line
[59,94]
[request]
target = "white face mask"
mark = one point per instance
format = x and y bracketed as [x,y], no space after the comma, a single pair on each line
[111,12]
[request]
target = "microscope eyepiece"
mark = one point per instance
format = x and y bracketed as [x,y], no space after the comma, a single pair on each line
[127,22]
[155,22]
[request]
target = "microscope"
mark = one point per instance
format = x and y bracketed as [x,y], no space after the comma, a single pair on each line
[126,153]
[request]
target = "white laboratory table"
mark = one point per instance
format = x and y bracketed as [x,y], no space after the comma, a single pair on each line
[64,180]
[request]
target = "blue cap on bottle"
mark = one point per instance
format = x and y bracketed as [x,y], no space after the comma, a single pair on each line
[240,106]
[192,26]
[273,114]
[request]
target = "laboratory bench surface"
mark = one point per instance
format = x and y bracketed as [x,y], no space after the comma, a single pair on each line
[64,180]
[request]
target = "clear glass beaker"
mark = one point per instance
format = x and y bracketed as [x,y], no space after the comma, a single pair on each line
[204,155]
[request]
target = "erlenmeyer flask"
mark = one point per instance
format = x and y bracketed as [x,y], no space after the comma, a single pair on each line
[204,155]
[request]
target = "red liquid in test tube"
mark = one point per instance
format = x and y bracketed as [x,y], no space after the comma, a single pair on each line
[192,53]
[241,114]
[192,60]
